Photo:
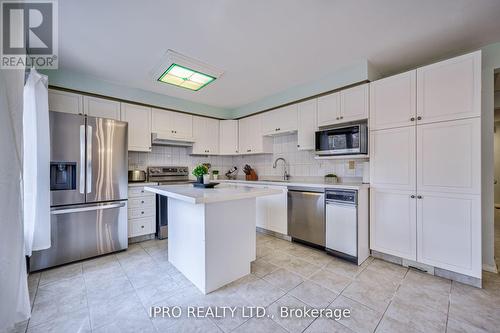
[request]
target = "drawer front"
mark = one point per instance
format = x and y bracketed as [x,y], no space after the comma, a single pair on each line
[141,202]
[143,226]
[141,212]
[138,191]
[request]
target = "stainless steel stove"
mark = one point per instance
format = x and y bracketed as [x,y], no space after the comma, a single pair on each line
[166,175]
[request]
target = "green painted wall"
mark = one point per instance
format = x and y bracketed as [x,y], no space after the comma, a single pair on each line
[356,73]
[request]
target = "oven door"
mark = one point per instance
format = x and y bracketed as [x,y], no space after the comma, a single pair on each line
[346,140]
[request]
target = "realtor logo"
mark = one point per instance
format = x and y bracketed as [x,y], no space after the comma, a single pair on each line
[29,34]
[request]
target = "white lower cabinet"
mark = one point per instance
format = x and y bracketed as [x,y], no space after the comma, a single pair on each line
[393,222]
[272,210]
[449,232]
[141,212]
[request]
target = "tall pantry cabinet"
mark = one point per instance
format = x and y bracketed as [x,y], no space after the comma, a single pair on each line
[425,165]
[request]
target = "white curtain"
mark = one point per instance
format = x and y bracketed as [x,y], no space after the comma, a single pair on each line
[14,299]
[36,170]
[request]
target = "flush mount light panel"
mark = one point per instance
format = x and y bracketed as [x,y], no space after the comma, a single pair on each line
[185,77]
[182,71]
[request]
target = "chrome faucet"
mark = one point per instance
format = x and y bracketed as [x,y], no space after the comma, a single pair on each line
[285,173]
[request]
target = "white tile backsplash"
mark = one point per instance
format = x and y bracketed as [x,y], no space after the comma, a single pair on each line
[299,163]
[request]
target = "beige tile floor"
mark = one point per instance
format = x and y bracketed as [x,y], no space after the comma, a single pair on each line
[113,294]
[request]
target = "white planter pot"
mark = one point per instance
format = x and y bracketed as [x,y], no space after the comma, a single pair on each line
[206,179]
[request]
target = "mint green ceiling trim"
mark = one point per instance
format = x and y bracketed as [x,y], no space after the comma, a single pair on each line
[85,83]
[358,72]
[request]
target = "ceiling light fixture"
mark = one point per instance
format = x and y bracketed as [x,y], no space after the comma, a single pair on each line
[185,72]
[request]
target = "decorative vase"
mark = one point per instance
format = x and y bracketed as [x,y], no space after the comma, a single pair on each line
[199,179]
[206,179]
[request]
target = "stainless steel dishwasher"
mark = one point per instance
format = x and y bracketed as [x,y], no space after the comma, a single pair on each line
[306,215]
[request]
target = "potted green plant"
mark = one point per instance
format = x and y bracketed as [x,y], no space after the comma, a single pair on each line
[215,174]
[199,171]
[331,178]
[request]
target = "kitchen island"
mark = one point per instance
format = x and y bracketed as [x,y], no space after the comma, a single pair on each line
[211,231]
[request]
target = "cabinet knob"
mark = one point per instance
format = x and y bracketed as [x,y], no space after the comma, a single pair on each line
[142,226]
[412,119]
[298,145]
[142,201]
[419,197]
[337,118]
[142,213]
[419,118]
[412,196]
[341,117]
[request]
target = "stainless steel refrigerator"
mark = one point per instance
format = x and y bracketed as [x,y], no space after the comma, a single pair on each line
[88,183]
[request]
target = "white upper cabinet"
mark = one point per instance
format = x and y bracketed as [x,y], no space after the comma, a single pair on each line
[206,136]
[354,103]
[448,156]
[449,232]
[393,222]
[392,158]
[63,101]
[173,125]
[347,105]
[449,89]
[307,124]
[329,109]
[139,126]
[251,140]
[393,101]
[228,137]
[100,107]
[281,120]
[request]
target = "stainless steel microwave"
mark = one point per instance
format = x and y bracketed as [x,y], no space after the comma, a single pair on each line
[343,140]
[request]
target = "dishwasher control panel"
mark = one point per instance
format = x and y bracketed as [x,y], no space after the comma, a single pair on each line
[342,196]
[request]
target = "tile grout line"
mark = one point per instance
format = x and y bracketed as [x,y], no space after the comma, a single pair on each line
[87,299]
[449,304]
[390,302]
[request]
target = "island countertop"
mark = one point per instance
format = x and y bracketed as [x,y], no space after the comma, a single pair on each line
[222,192]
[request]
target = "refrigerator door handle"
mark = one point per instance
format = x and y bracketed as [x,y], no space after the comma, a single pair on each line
[82,159]
[89,159]
[87,208]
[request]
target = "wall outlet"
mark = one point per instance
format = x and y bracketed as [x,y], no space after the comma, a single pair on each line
[352,165]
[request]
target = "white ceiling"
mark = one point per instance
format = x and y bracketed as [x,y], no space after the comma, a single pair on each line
[266,46]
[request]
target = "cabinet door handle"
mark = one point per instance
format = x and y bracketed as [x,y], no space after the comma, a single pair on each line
[419,197]
[341,117]
[298,145]
[142,213]
[142,226]
[419,118]
[412,119]
[412,196]
[142,201]
[337,118]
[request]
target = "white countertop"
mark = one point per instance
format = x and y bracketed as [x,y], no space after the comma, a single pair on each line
[350,186]
[134,184]
[222,192]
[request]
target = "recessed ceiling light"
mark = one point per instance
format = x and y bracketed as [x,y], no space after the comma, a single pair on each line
[185,77]
[184,72]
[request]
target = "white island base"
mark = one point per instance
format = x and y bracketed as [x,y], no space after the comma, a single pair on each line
[211,232]
[212,244]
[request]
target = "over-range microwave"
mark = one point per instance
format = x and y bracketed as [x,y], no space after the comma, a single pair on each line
[345,139]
